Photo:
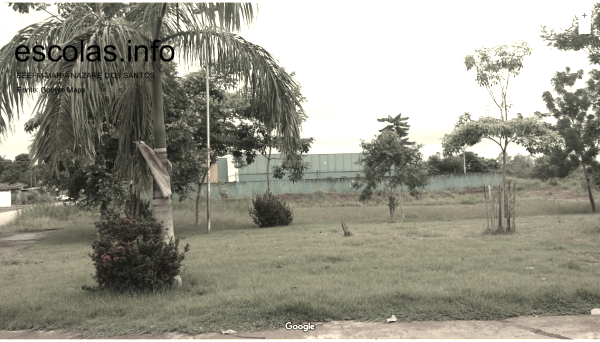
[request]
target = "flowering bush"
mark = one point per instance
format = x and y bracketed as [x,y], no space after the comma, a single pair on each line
[131,254]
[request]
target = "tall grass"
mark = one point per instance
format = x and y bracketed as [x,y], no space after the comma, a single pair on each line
[46,216]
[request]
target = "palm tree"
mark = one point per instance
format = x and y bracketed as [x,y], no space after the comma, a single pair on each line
[192,33]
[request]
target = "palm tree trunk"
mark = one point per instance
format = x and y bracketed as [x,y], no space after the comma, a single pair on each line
[161,207]
[268,166]
[589,187]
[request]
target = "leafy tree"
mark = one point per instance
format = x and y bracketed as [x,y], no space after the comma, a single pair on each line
[392,161]
[292,163]
[519,166]
[437,164]
[192,30]
[579,128]
[554,165]
[493,67]
[232,129]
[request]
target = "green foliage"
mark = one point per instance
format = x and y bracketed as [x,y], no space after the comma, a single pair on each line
[293,163]
[392,161]
[495,65]
[35,197]
[16,171]
[269,211]
[570,39]
[438,165]
[579,128]
[132,255]
[519,166]
[233,128]
[530,132]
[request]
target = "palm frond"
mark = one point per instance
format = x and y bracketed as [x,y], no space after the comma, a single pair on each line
[272,88]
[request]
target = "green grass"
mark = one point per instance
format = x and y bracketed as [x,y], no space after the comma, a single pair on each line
[437,264]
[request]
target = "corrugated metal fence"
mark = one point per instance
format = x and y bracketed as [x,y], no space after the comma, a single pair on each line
[344,185]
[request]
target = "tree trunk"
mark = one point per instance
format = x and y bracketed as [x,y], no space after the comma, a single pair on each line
[589,187]
[491,189]
[198,199]
[501,199]
[161,207]
[391,204]
[502,219]
[507,206]
[465,160]
[268,166]
[401,201]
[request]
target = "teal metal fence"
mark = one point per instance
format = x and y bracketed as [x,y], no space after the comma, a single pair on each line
[344,185]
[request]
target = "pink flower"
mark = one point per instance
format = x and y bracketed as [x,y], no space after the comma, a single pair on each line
[166,278]
[115,259]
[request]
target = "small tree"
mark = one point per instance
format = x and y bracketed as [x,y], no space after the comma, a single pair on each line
[580,129]
[392,161]
[292,163]
[493,67]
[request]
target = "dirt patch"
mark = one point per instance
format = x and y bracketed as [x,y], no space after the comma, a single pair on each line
[17,242]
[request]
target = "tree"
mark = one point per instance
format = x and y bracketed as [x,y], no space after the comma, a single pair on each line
[292,162]
[493,68]
[392,161]
[196,33]
[571,40]
[232,131]
[438,165]
[579,128]
[519,166]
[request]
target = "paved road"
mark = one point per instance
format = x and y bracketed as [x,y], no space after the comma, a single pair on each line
[7,215]
[526,327]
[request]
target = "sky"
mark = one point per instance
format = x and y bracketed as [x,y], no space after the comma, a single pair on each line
[360,62]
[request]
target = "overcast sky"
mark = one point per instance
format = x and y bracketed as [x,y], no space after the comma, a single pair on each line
[357,63]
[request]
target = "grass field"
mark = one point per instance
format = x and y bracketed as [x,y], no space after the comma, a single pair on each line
[437,264]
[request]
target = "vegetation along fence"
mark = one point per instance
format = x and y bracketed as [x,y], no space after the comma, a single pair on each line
[344,185]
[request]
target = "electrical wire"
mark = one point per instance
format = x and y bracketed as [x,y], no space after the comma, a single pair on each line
[4,32]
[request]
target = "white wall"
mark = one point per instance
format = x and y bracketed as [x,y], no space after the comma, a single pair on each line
[5,198]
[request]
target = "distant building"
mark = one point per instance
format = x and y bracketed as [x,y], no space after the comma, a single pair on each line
[10,194]
[323,166]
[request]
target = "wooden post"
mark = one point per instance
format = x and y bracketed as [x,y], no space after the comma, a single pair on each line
[487,214]
[491,189]
[514,216]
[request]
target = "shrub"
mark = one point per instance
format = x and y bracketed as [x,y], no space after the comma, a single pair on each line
[270,210]
[131,254]
[36,197]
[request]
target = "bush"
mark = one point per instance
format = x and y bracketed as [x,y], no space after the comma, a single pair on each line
[36,197]
[270,210]
[131,254]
